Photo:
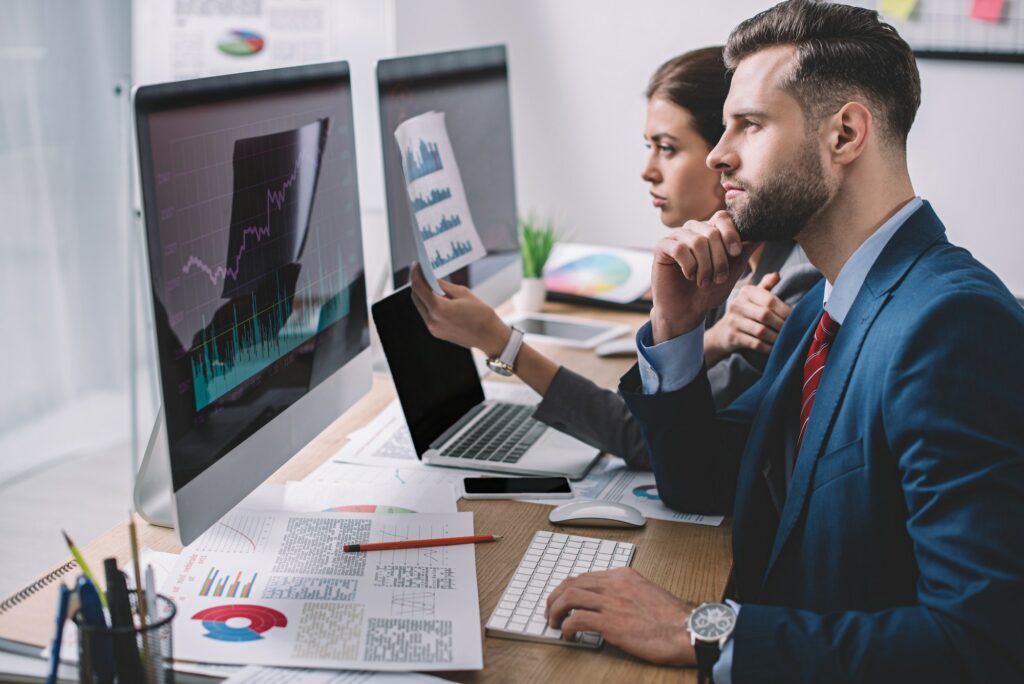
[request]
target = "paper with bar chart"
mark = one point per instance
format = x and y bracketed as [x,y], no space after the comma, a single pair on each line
[446,238]
[297,600]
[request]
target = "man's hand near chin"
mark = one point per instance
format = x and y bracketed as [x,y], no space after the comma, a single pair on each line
[629,611]
[695,268]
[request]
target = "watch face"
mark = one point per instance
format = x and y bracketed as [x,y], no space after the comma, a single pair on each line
[712,621]
[499,367]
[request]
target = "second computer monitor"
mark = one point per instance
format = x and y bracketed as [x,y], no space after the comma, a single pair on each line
[471,88]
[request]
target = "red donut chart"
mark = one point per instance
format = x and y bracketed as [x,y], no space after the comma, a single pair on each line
[260,620]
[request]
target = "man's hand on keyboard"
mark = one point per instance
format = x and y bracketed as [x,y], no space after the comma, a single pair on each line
[628,610]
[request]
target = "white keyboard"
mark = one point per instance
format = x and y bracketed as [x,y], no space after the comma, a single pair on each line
[550,559]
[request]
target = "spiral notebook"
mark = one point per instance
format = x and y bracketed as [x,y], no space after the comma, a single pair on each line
[26,617]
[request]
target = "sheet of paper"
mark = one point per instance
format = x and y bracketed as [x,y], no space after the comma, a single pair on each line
[610,480]
[36,668]
[274,588]
[412,475]
[362,498]
[381,496]
[446,237]
[897,9]
[987,10]
[287,675]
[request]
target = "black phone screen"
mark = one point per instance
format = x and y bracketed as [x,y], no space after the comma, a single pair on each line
[517,485]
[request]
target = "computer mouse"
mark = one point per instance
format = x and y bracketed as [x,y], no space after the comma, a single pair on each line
[597,514]
[625,346]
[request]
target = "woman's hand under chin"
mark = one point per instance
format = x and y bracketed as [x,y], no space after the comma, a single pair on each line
[460,317]
[752,321]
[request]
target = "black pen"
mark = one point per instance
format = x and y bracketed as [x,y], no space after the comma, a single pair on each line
[126,654]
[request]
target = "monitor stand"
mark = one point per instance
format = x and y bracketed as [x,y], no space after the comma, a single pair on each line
[152,496]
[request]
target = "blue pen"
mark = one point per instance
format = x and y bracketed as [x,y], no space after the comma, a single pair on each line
[58,634]
[101,650]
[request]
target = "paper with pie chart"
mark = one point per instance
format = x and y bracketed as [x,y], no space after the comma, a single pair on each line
[446,238]
[610,480]
[275,588]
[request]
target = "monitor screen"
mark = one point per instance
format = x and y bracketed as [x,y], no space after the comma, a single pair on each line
[471,88]
[255,252]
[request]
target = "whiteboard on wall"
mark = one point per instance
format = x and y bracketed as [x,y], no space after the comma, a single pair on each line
[948,29]
[174,40]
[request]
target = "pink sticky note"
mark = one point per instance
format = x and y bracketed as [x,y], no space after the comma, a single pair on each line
[987,10]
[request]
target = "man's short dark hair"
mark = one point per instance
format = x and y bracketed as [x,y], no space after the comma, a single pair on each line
[843,54]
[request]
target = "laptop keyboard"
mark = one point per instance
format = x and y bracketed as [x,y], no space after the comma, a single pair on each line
[504,434]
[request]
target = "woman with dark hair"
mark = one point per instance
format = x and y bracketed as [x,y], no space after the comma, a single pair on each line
[684,121]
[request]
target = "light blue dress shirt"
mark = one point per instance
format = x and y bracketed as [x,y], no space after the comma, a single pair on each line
[674,363]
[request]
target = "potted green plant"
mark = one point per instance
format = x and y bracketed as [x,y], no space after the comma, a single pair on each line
[536,240]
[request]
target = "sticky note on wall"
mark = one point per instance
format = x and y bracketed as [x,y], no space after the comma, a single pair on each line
[897,9]
[987,10]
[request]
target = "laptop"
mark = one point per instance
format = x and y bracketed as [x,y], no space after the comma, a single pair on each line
[450,421]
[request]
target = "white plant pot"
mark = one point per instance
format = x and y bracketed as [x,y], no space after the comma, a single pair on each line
[530,298]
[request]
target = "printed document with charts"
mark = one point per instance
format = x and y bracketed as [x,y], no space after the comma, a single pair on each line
[275,588]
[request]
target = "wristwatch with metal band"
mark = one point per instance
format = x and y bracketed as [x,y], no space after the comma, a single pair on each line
[505,364]
[710,626]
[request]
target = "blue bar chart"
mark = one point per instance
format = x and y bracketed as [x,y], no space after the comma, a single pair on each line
[422,163]
[443,226]
[458,249]
[436,195]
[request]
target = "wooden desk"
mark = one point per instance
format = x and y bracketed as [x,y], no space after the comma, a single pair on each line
[692,561]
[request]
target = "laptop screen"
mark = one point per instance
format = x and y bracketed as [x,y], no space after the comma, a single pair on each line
[436,381]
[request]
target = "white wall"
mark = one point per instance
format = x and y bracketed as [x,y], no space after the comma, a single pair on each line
[578,69]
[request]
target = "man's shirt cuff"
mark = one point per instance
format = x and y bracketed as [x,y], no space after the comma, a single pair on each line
[722,671]
[671,365]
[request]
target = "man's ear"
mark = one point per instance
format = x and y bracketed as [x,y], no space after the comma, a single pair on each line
[848,132]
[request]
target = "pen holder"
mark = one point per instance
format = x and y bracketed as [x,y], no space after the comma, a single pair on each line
[128,655]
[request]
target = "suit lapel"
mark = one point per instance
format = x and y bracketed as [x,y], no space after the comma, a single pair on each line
[921,230]
[755,520]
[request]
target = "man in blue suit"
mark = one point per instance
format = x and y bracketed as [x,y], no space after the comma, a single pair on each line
[875,473]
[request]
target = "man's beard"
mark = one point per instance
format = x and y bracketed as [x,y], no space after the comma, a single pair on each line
[786,201]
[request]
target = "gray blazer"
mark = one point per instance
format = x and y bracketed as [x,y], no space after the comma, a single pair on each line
[575,405]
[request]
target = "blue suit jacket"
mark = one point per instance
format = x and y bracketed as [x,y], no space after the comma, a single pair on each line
[896,552]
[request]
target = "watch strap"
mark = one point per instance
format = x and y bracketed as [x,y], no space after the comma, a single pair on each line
[708,653]
[511,351]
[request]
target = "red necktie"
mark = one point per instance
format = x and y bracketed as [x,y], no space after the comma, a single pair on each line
[814,366]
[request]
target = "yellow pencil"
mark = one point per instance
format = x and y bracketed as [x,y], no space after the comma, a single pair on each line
[140,594]
[86,570]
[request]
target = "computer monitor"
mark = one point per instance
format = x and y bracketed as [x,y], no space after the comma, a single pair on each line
[256,265]
[471,88]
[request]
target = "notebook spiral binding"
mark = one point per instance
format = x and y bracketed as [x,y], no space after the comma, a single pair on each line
[38,585]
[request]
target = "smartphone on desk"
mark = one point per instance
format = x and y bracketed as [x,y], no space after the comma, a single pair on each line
[516,488]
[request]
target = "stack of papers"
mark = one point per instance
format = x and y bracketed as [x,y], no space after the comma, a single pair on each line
[275,588]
